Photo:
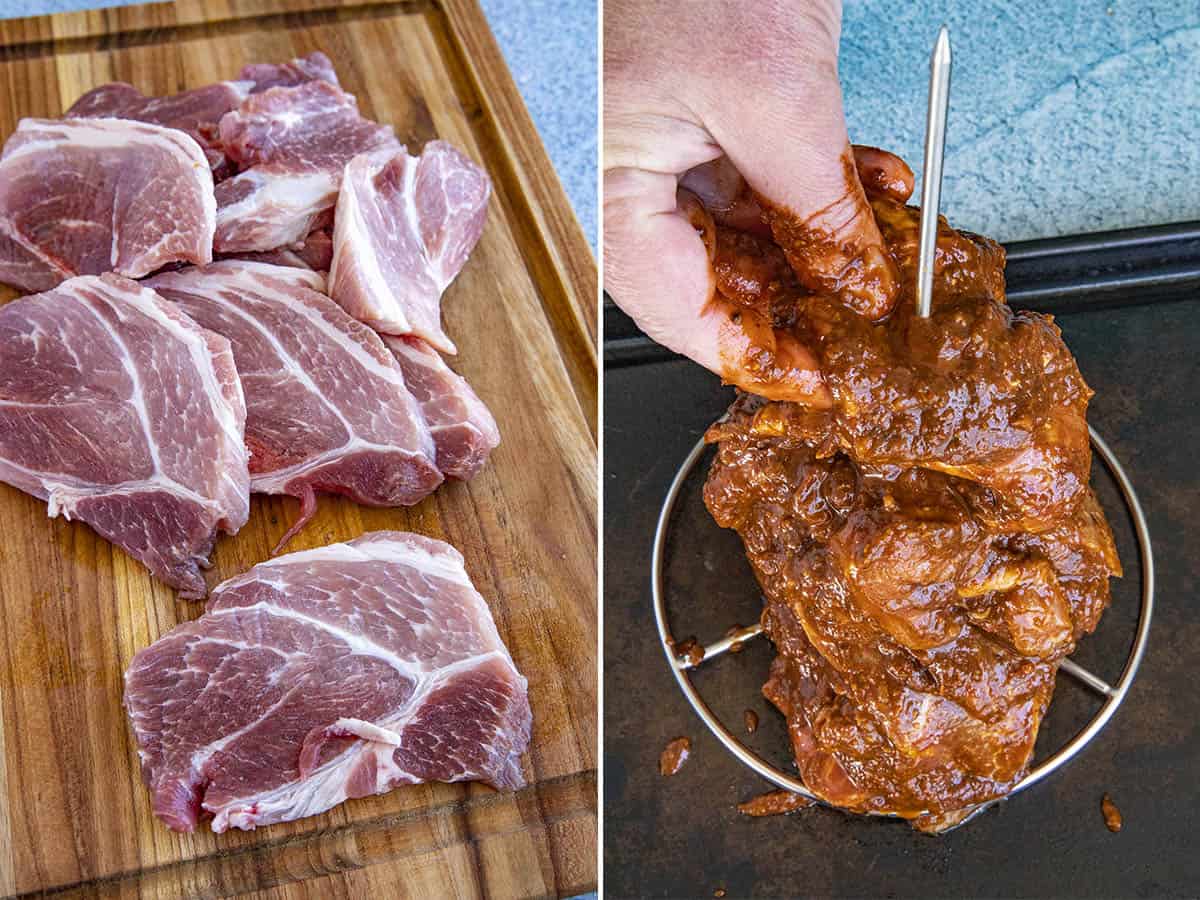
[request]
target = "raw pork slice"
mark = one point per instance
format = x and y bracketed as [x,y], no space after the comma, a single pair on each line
[292,143]
[327,407]
[463,428]
[315,254]
[405,226]
[317,250]
[88,196]
[197,112]
[122,412]
[325,675]
[314,67]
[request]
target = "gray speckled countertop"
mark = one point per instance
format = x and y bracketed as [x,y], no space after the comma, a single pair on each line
[550,47]
[1065,117]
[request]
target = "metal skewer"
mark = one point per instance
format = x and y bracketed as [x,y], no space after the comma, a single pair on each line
[931,181]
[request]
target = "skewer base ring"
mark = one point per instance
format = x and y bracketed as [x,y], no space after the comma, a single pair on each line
[1114,694]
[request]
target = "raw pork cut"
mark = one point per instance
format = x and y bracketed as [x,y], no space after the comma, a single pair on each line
[326,675]
[315,253]
[122,412]
[327,407]
[317,250]
[405,226]
[88,196]
[292,143]
[196,112]
[463,428]
[316,66]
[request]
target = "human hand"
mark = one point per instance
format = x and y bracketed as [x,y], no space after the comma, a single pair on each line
[749,89]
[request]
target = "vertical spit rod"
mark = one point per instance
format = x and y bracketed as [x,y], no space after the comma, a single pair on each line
[931,183]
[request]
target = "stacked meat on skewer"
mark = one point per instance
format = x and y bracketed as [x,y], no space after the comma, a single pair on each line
[920,519]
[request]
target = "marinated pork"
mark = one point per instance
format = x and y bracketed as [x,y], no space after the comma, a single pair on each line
[326,675]
[922,528]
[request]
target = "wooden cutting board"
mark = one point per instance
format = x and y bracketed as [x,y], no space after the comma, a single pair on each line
[74,609]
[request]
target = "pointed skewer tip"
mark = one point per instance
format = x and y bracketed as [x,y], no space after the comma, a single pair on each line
[941,47]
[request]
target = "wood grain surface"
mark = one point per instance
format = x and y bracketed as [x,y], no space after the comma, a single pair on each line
[74,814]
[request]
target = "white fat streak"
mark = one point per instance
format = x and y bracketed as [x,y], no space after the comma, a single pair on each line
[204,754]
[193,338]
[409,193]
[373,546]
[28,246]
[62,499]
[139,400]
[368,731]
[446,563]
[357,643]
[238,275]
[209,197]
[218,275]
[326,787]
[242,280]
[114,247]
[151,305]
[276,481]
[308,193]
[387,371]
[349,222]
[314,281]
[241,88]
[436,265]
[322,790]
[63,492]
[426,359]
[108,134]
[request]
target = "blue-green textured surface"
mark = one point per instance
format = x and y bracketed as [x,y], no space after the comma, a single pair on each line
[1065,118]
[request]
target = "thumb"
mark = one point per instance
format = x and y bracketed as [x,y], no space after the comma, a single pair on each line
[658,267]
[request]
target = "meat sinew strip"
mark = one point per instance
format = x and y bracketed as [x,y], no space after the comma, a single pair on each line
[88,196]
[463,428]
[293,143]
[327,406]
[123,413]
[405,226]
[326,675]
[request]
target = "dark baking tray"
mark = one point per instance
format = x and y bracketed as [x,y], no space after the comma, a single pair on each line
[1129,306]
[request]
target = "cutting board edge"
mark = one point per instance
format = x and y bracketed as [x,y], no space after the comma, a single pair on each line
[449,818]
